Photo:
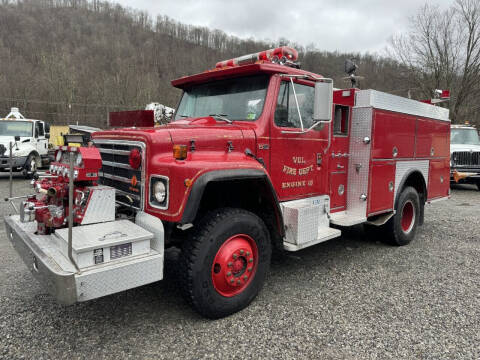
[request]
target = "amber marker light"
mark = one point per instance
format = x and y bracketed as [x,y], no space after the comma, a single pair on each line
[180,152]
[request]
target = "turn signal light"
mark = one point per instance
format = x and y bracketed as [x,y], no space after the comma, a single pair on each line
[180,152]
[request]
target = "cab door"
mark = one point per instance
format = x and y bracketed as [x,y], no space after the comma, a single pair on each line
[296,159]
[40,141]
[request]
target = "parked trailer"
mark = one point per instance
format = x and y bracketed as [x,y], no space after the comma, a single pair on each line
[260,155]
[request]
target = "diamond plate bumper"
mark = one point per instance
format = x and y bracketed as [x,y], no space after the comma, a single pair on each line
[59,277]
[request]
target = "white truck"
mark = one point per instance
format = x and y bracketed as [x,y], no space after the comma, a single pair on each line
[465,155]
[30,143]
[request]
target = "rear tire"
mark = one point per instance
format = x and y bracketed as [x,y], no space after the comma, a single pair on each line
[400,230]
[478,185]
[225,263]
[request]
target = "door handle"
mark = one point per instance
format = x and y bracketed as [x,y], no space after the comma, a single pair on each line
[339,155]
[340,166]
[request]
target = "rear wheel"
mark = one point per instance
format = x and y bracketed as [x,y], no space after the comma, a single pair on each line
[401,228]
[224,265]
[478,184]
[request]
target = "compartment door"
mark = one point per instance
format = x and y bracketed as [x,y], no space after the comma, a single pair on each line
[338,157]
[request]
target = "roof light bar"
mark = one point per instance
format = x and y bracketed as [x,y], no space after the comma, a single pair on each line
[281,55]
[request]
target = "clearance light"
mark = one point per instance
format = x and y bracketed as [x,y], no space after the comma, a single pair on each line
[180,152]
[135,158]
[280,55]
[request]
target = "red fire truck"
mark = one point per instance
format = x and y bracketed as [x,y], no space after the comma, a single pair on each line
[260,155]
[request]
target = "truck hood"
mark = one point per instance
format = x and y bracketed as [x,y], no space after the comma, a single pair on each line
[5,142]
[206,133]
[464,147]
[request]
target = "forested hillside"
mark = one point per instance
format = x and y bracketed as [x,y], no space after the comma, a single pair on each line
[70,61]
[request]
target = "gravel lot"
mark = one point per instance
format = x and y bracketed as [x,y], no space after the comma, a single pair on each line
[350,298]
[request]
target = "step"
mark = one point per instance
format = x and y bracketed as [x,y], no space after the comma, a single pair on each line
[343,218]
[324,234]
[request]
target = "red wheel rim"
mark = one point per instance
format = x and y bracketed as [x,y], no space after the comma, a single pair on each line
[408,217]
[235,265]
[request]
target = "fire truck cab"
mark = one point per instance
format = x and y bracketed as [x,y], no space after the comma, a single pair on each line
[260,155]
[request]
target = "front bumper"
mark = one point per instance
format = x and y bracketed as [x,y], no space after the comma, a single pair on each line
[464,175]
[59,276]
[18,161]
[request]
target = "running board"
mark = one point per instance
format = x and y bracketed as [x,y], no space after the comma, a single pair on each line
[342,218]
[324,234]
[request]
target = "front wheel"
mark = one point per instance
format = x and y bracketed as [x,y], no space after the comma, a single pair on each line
[225,263]
[31,165]
[401,229]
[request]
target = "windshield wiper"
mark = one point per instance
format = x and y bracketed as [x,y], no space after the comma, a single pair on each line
[221,117]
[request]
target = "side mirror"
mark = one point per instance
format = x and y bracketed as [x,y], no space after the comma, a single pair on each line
[47,136]
[17,138]
[322,107]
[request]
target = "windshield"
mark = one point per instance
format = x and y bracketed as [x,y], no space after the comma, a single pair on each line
[234,99]
[16,128]
[464,136]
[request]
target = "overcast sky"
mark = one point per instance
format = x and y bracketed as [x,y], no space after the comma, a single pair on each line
[344,25]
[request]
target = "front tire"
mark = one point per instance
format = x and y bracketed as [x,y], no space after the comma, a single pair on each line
[401,228]
[31,165]
[225,263]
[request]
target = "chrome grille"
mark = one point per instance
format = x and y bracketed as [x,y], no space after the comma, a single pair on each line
[117,172]
[466,158]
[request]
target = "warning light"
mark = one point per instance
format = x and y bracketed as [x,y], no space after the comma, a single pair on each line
[282,55]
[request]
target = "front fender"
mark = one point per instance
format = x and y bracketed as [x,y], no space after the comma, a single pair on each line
[199,186]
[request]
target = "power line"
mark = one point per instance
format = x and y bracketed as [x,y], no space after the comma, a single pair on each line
[66,103]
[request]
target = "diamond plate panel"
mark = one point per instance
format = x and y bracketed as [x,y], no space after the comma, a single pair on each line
[304,217]
[403,167]
[100,205]
[122,276]
[359,161]
[381,100]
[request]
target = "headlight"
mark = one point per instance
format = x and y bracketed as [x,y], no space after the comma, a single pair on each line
[159,191]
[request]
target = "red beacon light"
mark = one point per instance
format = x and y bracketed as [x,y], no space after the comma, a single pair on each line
[439,97]
[283,55]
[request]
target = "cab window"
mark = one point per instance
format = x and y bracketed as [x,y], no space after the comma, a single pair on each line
[340,120]
[286,112]
[39,131]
